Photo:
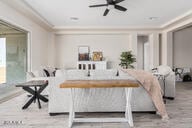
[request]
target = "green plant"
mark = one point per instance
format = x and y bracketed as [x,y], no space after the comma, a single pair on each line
[127,59]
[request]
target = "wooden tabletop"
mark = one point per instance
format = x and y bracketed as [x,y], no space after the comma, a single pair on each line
[98,84]
[33,83]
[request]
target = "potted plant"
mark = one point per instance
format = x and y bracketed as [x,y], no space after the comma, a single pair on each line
[127,59]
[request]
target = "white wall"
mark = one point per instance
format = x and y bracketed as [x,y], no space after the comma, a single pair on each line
[38,36]
[111,46]
[182,47]
[154,50]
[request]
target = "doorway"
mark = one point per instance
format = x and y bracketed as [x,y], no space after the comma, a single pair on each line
[143,57]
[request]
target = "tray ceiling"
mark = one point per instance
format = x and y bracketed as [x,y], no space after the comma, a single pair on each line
[76,13]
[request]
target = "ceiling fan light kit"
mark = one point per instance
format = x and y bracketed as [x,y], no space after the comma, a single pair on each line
[110,3]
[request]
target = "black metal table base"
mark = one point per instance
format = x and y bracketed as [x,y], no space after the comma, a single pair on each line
[35,96]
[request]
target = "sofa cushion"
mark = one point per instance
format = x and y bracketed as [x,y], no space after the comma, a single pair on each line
[74,74]
[124,75]
[39,73]
[61,72]
[107,72]
[103,74]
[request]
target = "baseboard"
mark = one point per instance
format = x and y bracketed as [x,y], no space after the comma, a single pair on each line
[55,114]
[62,113]
[11,96]
[151,112]
[169,98]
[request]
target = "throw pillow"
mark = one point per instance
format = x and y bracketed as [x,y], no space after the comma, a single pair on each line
[54,72]
[46,72]
[51,70]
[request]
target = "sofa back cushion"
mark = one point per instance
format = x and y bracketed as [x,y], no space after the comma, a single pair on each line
[60,73]
[75,74]
[39,73]
[103,74]
[124,75]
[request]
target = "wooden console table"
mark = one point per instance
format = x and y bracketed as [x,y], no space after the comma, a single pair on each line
[127,84]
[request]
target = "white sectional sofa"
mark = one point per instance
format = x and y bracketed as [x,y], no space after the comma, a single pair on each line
[100,100]
[95,100]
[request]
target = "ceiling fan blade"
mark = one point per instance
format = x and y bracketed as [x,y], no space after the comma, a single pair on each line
[106,12]
[118,1]
[99,5]
[120,8]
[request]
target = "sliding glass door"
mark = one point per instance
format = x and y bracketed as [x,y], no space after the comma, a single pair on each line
[2,60]
[13,58]
[16,54]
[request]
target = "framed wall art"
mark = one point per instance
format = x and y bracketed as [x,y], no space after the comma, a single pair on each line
[97,56]
[83,53]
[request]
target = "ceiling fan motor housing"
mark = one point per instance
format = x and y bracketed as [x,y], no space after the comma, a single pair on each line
[110,5]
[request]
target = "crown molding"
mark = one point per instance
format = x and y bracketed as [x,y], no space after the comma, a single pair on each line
[177,20]
[181,17]
[22,7]
[105,31]
[105,27]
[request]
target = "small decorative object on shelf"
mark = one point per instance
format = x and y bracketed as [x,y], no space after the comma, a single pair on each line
[97,56]
[91,65]
[127,59]
[84,66]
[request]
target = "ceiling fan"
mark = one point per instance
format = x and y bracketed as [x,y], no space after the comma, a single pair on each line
[110,3]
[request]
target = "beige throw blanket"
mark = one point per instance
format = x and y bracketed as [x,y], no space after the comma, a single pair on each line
[152,86]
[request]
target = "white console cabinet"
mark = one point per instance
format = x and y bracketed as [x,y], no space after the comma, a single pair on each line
[91,65]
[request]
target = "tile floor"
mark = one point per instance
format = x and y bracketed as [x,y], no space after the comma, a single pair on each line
[179,110]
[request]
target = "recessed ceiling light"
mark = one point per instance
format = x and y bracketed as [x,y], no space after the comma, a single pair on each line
[153,18]
[74,18]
